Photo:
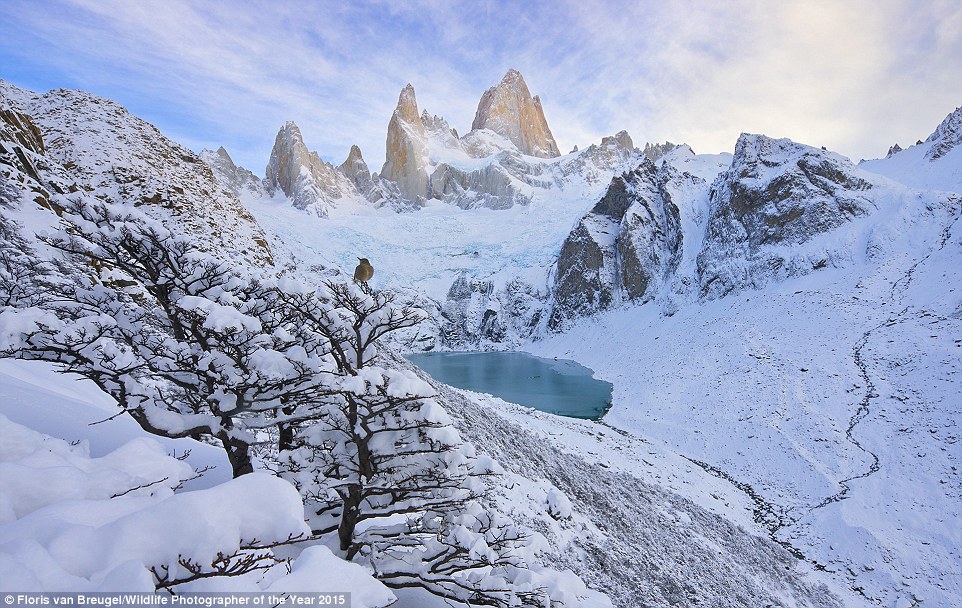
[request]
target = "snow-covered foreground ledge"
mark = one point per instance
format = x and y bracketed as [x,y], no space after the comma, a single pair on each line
[69,522]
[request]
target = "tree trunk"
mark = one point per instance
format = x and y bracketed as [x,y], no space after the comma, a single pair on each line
[238,453]
[285,432]
[349,517]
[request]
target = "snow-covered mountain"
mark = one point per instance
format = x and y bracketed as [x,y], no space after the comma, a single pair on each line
[931,164]
[97,145]
[782,327]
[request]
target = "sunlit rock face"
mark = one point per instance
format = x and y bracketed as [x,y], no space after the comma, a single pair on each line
[406,150]
[302,175]
[509,110]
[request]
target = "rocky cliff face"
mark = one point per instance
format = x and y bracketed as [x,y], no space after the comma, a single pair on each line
[623,249]
[238,180]
[509,110]
[776,196]
[302,175]
[480,313]
[97,145]
[405,157]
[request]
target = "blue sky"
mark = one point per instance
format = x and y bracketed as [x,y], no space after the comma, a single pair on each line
[854,76]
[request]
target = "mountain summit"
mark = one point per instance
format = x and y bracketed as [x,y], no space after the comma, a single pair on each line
[404,157]
[509,110]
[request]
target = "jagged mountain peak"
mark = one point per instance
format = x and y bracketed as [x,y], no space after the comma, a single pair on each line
[405,150]
[354,155]
[509,110]
[302,175]
[620,139]
[222,152]
[407,106]
[946,136]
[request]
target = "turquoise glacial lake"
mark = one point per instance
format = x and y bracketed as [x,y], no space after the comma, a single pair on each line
[556,386]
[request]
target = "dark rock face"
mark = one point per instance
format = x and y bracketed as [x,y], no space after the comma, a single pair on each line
[776,194]
[23,130]
[621,250]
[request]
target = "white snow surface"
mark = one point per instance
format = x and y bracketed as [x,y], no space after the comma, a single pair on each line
[795,390]
[94,509]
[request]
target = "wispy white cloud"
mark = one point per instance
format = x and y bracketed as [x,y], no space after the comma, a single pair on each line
[854,76]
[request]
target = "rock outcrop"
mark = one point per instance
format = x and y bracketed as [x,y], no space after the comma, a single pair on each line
[946,136]
[654,152]
[622,250]
[776,195]
[509,110]
[406,153]
[480,313]
[237,179]
[355,169]
[302,175]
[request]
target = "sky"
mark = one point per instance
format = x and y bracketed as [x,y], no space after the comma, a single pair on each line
[854,76]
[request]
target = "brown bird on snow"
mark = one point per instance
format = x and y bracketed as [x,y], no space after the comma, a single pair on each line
[363,273]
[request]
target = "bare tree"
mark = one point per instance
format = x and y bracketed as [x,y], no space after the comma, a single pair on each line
[386,471]
[186,344]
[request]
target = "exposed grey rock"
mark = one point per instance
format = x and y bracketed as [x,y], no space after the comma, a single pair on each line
[946,136]
[621,250]
[598,163]
[236,179]
[776,194]
[893,151]
[301,174]
[479,313]
[355,169]
[489,187]
[654,152]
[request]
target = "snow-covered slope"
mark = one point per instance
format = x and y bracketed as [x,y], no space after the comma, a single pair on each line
[833,399]
[97,145]
[934,164]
